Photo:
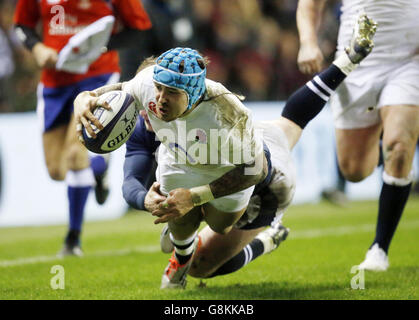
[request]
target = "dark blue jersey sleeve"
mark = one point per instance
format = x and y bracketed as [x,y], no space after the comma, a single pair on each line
[141,141]
[138,165]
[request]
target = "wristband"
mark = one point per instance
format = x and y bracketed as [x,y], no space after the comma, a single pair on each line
[201,195]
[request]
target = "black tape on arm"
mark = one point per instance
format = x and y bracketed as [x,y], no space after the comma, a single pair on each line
[27,36]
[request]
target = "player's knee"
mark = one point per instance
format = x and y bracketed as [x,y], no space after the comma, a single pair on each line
[219,228]
[76,158]
[55,171]
[397,154]
[56,175]
[283,187]
[355,171]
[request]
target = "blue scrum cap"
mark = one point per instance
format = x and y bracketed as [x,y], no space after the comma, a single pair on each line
[179,68]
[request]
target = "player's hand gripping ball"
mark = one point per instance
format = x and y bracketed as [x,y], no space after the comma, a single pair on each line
[118,123]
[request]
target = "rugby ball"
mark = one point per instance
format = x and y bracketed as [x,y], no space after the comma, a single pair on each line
[118,123]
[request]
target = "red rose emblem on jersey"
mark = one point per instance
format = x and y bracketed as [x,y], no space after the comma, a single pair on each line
[152,107]
[200,136]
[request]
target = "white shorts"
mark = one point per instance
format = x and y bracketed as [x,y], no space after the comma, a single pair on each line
[171,176]
[358,99]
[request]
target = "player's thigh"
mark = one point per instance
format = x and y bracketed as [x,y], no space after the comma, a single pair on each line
[216,249]
[357,120]
[222,213]
[53,142]
[76,155]
[399,110]
[221,221]
[54,110]
[358,151]
[400,136]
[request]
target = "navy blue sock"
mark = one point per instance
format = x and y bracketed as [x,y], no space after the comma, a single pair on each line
[77,197]
[249,253]
[392,201]
[182,259]
[307,102]
[98,165]
[73,238]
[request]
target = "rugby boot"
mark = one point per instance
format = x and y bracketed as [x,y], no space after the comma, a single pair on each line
[361,42]
[273,236]
[102,187]
[71,245]
[174,276]
[375,260]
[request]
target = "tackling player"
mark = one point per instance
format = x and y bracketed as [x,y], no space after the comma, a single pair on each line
[65,157]
[175,94]
[379,98]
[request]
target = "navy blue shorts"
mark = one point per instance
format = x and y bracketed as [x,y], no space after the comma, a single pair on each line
[55,105]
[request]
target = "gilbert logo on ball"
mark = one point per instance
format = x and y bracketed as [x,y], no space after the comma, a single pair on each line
[118,123]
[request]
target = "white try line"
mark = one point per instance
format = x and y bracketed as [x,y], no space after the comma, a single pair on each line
[343,230]
[120,252]
[303,234]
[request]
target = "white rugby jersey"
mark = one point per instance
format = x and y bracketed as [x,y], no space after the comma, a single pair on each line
[397,36]
[207,142]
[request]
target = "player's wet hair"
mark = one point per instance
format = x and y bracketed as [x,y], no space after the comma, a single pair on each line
[148,62]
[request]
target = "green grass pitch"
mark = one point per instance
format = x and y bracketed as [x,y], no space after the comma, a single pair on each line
[122,260]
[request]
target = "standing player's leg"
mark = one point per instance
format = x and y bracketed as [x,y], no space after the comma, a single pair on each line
[55,109]
[79,181]
[401,132]
[307,102]
[57,164]
[358,151]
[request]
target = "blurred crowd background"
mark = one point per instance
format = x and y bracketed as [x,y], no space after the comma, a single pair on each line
[252,46]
